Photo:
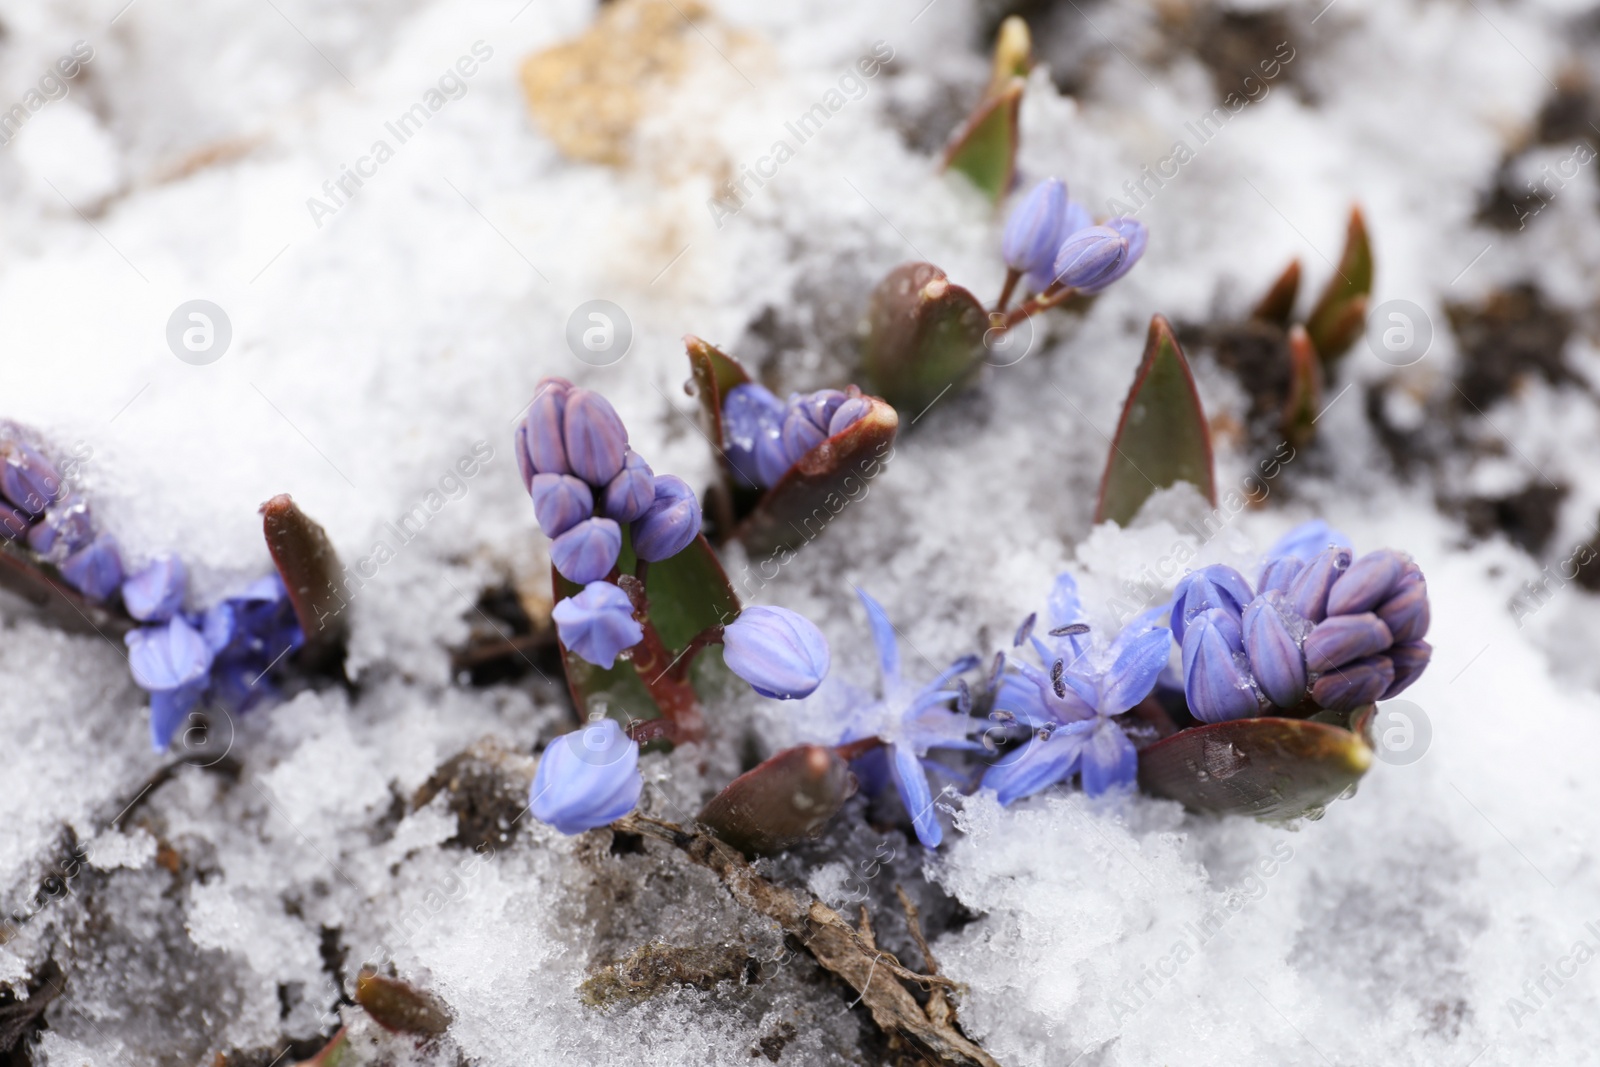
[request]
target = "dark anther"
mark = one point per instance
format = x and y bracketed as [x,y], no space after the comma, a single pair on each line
[1070,631]
[1025,630]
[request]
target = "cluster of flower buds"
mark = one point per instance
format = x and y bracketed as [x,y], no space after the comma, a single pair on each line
[1321,625]
[223,653]
[1053,240]
[765,436]
[38,509]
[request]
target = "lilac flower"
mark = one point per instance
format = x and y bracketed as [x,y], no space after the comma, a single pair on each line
[156,593]
[597,624]
[1090,257]
[540,444]
[596,440]
[588,551]
[765,437]
[1306,541]
[27,479]
[778,651]
[65,528]
[249,635]
[911,721]
[560,502]
[1072,704]
[587,778]
[1137,236]
[670,524]
[1036,228]
[171,663]
[96,569]
[630,494]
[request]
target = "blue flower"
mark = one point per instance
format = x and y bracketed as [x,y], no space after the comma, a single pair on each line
[540,442]
[27,479]
[65,528]
[1090,257]
[1035,229]
[249,635]
[156,593]
[630,494]
[597,624]
[764,437]
[587,552]
[778,651]
[596,440]
[1072,703]
[560,502]
[1134,232]
[671,522]
[96,569]
[587,778]
[911,721]
[172,663]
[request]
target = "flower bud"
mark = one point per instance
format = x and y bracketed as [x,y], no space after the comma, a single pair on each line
[96,569]
[778,651]
[1215,680]
[540,445]
[597,624]
[1341,639]
[27,479]
[65,528]
[13,523]
[672,522]
[1035,229]
[1367,583]
[156,593]
[560,502]
[596,440]
[1354,684]
[819,407]
[1306,540]
[1216,586]
[800,434]
[1137,235]
[1407,613]
[630,494]
[1409,661]
[849,413]
[1275,656]
[587,778]
[1089,257]
[751,416]
[1278,574]
[587,552]
[1308,593]
[168,656]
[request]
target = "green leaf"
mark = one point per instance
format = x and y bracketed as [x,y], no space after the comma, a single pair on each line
[782,801]
[687,594]
[1341,311]
[1162,437]
[985,148]
[1277,305]
[1269,768]
[924,336]
[311,573]
[715,374]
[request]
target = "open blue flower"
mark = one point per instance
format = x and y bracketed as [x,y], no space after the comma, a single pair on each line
[912,720]
[1071,703]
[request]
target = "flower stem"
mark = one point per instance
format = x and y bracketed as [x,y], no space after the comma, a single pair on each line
[1051,297]
[678,702]
[1012,277]
[857,749]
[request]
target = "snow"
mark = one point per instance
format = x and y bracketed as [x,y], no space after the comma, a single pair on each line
[1431,918]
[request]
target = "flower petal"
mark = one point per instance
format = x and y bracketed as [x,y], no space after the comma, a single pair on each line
[1134,672]
[911,782]
[1109,760]
[884,637]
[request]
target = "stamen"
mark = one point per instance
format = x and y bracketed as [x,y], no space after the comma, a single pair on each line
[1072,630]
[1055,678]
[1025,631]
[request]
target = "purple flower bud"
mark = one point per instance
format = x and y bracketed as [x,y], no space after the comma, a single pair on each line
[1409,661]
[597,624]
[168,657]
[1341,639]
[1274,654]
[631,492]
[560,502]
[1216,586]
[1407,613]
[751,418]
[96,569]
[596,440]
[1367,583]
[1354,684]
[1278,574]
[1137,235]
[156,593]
[65,528]
[540,444]
[819,407]
[27,479]
[1306,540]
[779,652]
[1034,230]
[587,552]
[1089,257]
[672,522]
[1076,218]
[1308,593]
[13,523]
[850,412]
[1216,681]
[587,778]
[800,434]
